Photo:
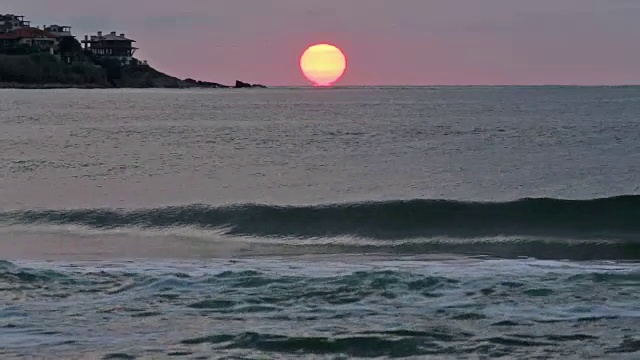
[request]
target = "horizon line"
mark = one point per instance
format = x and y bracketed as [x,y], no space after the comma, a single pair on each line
[453,85]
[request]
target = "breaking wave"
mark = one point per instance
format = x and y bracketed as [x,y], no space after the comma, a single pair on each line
[607,218]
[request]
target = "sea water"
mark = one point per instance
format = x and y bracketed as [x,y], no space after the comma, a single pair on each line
[405,222]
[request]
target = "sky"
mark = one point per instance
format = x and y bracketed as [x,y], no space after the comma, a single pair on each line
[387,42]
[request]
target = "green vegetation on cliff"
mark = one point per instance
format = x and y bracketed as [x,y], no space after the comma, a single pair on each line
[44,68]
[74,67]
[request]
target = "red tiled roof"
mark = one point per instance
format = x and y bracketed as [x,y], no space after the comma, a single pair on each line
[26,33]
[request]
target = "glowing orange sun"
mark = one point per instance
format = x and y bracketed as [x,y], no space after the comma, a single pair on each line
[323,64]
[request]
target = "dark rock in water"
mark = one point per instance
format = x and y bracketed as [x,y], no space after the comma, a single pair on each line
[241,85]
[202,84]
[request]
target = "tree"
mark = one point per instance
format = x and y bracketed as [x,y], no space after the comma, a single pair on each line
[69,46]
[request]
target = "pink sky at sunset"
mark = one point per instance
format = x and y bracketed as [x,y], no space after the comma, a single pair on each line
[388,42]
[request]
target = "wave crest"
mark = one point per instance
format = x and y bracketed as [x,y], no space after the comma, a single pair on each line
[607,218]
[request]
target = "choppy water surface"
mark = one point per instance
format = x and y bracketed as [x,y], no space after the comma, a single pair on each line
[358,307]
[306,223]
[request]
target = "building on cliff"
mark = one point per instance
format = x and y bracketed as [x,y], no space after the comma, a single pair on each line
[111,47]
[30,37]
[11,22]
[58,31]
[17,33]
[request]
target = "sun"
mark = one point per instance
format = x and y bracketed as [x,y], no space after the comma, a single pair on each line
[323,64]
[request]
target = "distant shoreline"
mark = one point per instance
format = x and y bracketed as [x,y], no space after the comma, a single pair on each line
[183,85]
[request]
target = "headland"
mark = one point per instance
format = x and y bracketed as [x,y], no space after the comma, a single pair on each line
[51,57]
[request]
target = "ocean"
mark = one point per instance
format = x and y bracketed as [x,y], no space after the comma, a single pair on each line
[308,223]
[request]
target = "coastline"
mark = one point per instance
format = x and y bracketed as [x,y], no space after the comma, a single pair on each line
[59,86]
[46,71]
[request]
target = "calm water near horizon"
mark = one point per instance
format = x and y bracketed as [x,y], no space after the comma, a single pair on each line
[373,222]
